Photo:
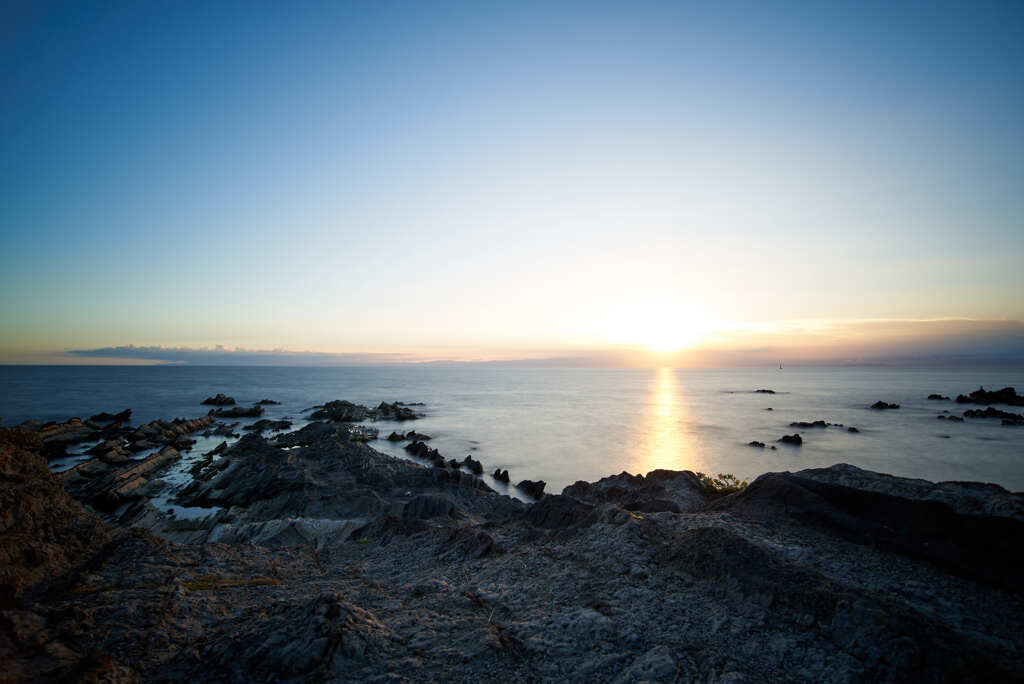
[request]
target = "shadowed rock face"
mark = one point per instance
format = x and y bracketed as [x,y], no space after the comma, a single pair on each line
[950,527]
[661,490]
[1007,395]
[335,562]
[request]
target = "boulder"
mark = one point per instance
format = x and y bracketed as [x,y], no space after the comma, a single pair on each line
[794,439]
[501,475]
[532,488]
[472,465]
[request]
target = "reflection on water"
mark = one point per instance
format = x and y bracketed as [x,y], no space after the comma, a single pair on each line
[668,443]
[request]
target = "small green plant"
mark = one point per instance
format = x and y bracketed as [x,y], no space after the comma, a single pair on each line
[363,540]
[722,485]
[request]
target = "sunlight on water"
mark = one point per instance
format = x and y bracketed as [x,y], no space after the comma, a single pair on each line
[668,444]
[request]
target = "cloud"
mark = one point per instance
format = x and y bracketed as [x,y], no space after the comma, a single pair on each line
[223,356]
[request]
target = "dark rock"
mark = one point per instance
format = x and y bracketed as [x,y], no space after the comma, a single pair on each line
[237,412]
[395,437]
[558,512]
[956,419]
[267,402]
[346,411]
[1007,417]
[852,429]
[265,424]
[472,465]
[394,411]
[903,516]
[755,443]
[815,424]
[341,411]
[501,475]
[772,447]
[219,400]
[937,397]
[426,506]
[764,391]
[883,405]
[533,489]
[104,417]
[1007,395]
[769,409]
[794,439]
[453,464]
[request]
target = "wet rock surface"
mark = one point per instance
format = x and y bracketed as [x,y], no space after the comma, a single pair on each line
[330,561]
[346,411]
[881,405]
[219,400]
[1007,395]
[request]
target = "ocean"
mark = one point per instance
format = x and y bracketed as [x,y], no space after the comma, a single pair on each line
[561,425]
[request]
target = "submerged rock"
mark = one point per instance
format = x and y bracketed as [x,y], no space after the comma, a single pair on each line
[237,412]
[1007,417]
[794,439]
[884,405]
[755,443]
[937,397]
[219,400]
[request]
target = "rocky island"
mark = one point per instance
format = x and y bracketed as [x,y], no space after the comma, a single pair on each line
[319,558]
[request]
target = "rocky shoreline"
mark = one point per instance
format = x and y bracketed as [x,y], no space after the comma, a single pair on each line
[324,559]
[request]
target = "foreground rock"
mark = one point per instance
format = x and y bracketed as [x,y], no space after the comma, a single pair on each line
[833,574]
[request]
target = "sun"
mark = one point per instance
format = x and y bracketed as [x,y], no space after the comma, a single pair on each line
[667,336]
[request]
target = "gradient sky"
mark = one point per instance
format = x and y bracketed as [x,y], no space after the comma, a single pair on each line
[492,180]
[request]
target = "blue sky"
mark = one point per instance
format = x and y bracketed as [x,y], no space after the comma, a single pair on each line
[495,180]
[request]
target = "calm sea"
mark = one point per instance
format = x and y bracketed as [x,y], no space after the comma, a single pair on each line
[563,425]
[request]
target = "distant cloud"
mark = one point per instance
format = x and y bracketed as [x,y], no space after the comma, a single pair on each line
[223,356]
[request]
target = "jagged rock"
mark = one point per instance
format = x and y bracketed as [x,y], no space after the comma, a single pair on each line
[237,412]
[1007,395]
[1007,417]
[501,475]
[472,465]
[346,411]
[949,524]
[937,397]
[755,443]
[219,400]
[558,511]
[394,411]
[814,424]
[794,439]
[532,488]
[661,490]
[883,405]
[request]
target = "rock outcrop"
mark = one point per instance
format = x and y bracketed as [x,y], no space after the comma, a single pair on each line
[331,561]
[1007,395]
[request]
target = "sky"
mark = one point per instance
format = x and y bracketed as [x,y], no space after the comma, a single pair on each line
[613,183]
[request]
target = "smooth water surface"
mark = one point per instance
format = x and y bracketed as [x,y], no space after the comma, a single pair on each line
[563,425]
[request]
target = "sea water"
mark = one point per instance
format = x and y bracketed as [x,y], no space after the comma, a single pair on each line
[561,425]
